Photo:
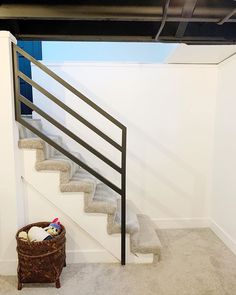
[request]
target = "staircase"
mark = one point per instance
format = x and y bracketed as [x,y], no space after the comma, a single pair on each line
[94,202]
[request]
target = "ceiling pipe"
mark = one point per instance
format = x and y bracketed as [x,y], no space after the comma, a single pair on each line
[164,17]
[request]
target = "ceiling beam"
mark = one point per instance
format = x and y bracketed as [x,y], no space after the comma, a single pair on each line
[187,12]
[199,40]
[227,17]
[86,38]
[168,39]
[113,13]
[81,12]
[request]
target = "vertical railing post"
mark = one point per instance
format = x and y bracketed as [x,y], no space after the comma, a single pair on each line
[123,199]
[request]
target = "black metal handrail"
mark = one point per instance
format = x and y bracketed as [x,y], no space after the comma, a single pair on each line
[72,112]
[19,98]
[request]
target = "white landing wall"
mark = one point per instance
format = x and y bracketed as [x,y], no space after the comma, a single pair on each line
[223,202]
[169,111]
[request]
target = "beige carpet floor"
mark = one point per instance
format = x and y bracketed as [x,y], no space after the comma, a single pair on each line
[194,262]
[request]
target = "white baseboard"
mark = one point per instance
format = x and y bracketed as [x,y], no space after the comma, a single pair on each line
[181,222]
[9,267]
[223,235]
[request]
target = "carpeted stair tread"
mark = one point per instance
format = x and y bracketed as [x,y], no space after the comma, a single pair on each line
[27,138]
[82,174]
[114,220]
[78,186]
[104,200]
[53,164]
[31,143]
[26,133]
[103,192]
[74,167]
[145,240]
[35,143]
[81,181]
[58,155]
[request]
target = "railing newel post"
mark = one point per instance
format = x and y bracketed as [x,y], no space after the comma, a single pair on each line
[16,82]
[123,198]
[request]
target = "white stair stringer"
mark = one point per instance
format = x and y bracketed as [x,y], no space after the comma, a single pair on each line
[72,204]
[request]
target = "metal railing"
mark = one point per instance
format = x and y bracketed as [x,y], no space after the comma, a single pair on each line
[19,99]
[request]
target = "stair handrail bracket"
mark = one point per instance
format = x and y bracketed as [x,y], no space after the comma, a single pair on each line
[20,99]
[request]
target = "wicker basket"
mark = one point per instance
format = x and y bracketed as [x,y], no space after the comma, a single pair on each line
[41,262]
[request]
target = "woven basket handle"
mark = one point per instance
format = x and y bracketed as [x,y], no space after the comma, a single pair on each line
[39,256]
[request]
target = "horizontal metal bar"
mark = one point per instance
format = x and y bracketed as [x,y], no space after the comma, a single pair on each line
[69,155]
[69,110]
[69,133]
[69,87]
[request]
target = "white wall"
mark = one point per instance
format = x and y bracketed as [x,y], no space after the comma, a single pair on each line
[223,203]
[169,112]
[80,246]
[180,162]
[11,211]
[181,148]
[200,54]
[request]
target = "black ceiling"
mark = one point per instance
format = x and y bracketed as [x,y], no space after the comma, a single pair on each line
[188,21]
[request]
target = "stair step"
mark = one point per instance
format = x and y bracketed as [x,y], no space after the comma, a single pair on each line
[26,133]
[74,167]
[31,143]
[81,181]
[104,200]
[98,198]
[145,241]
[54,164]
[114,220]
[82,174]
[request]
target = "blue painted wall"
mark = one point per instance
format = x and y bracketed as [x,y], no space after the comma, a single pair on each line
[34,48]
